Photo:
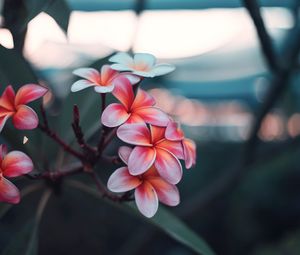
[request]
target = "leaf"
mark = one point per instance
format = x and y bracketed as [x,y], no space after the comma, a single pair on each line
[25,242]
[163,219]
[60,12]
[176,229]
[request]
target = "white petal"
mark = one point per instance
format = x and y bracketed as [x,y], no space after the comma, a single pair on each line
[104,89]
[81,84]
[162,69]
[120,67]
[134,79]
[146,58]
[90,74]
[144,74]
[122,58]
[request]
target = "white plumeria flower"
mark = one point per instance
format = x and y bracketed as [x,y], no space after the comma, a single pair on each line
[142,64]
[103,82]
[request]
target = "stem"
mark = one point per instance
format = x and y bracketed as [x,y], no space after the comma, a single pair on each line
[42,205]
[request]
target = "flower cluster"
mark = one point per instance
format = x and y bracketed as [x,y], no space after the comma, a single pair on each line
[153,165]
[16,163]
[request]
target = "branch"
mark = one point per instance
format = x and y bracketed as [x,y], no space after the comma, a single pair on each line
[265,40]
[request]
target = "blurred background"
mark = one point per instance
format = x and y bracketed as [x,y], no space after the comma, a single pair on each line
[242,197]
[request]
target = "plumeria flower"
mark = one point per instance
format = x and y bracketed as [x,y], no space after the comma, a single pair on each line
[152,148]
[14,105]
[103,82]
[174,133]
[132,109]
[149,187]
[13,164]
[142,64]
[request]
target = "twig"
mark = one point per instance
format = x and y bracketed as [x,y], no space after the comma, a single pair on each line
[79,134]
[265,39]
[46,129]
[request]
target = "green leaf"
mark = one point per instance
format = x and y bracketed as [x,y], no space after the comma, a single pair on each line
[25,242]
[60,12]
[163,219]
[176,229]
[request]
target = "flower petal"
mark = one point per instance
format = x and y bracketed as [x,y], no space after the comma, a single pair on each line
[3,121]
[104,89]
[7,99]
[141,159]
[16,163]
[90,74]
[9,193]
[121,67]
[167,193]
[174,147]
[29,93]
[153,116]
[3,151]
[142,99]
[123,91]
[144,61]
[114,115]
[25,118]
[146,199]
[136,134]
[147,74]
[157,133]
[81,84]
[168,166]
[173,132]
[162,69]
[189,148]
[124,153]
[134,118]
[134,79]
[107,74]
[121,181]
[122,58]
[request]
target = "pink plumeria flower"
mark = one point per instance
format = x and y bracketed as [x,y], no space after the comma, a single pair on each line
[152,148]
[13,164]
[142,64]
[149,187]
[102,82]
[174,133]
[14,106]
[132,109]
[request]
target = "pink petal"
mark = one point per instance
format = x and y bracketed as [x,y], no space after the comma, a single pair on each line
[189,148]
[136,134]
[81,84]
[134,118]
[7,99]
[107,74]
[25,118]
[146,199]
[123,91]
[173,132]
[141,159]
[167,193]
[153,115]
[168,166]
[16,163]
[3,121]
[9,193]
[29,93]
[90,74]
[157,133]
[142,99]
[174,147]
[121,181]
[104,89]
[134,79]
[114,115]
[124,153]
